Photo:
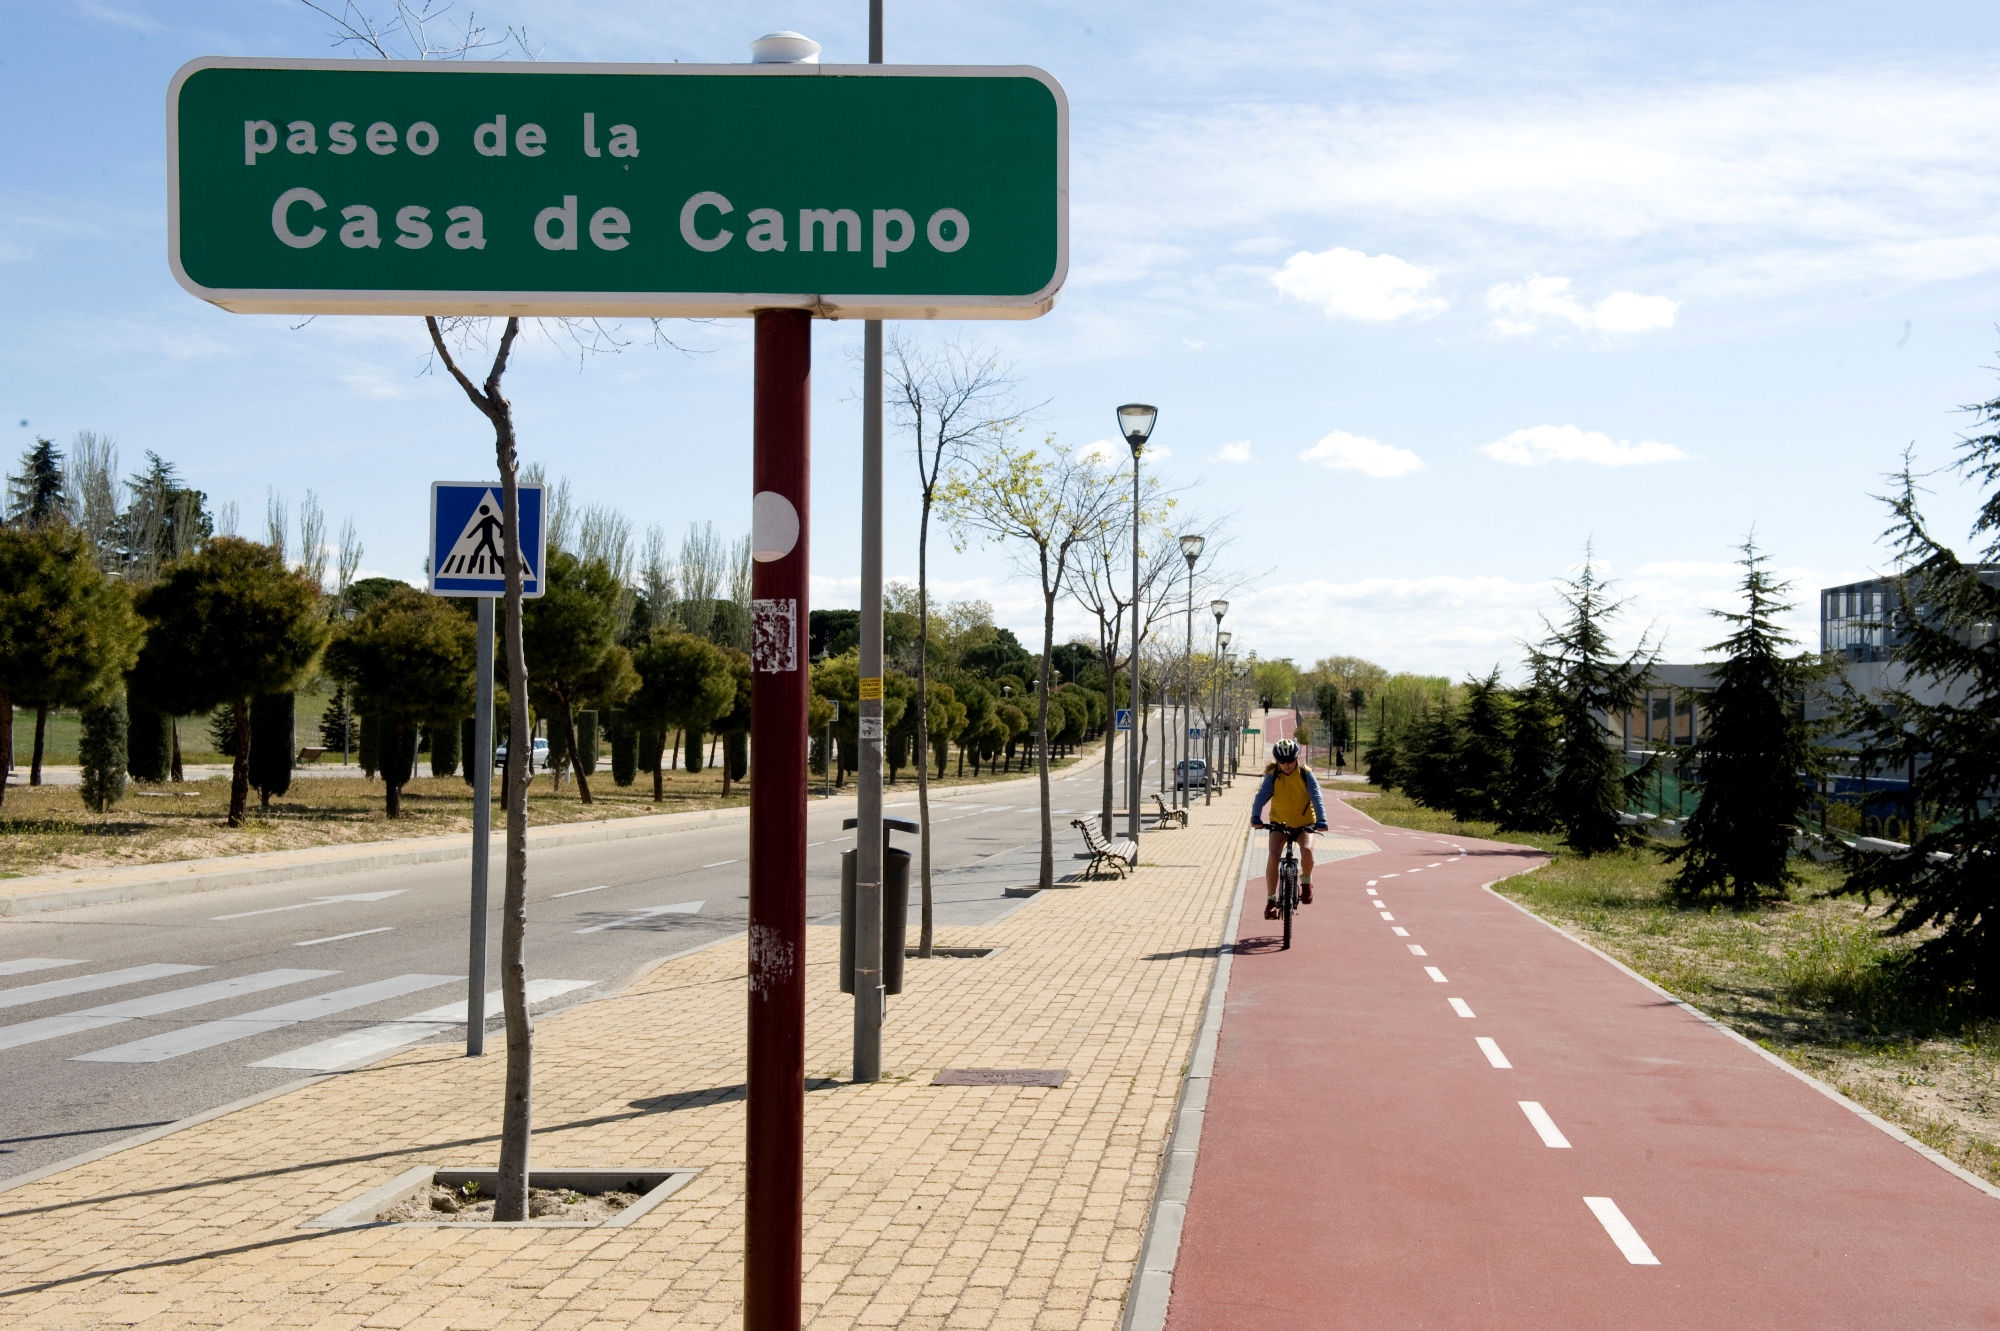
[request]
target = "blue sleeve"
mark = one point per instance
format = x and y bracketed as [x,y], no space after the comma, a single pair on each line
[1263,797]
[1312,789]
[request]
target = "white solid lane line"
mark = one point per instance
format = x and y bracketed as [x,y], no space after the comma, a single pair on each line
[1436,974]
[1416,950]
[579,891]
[84,984]
[677,908]
[22,965]
[1491,1048]
[172,1044]
[335,938]
[374,1041]
[1546,1126]
[153,1005]
[1460,1006]
[316,901]
[718,864]
[1400,931]
[1621,1231]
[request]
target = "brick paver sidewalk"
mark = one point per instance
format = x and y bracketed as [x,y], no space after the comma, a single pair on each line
[925,1206]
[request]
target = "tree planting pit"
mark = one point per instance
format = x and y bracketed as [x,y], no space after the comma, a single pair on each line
[557,1198]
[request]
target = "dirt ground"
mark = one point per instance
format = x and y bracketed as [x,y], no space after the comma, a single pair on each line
[439,1204]
[1812,979]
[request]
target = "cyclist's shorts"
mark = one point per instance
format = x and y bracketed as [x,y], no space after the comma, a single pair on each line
[1278,842]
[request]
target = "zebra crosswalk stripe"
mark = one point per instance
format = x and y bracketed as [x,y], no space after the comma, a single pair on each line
[173,1044]
[153,1005]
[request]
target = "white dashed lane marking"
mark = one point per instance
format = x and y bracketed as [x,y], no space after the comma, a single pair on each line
[1621,1231]
[1544,1125]
[1491,1048]
[1417,951]
[1400,931]
[1460,1006]
[579,891]
[1436,974]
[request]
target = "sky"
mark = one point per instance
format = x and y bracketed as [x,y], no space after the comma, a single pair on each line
[1432,297]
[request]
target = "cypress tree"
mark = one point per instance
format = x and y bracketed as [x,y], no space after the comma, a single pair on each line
[1588,684]
[271,751]
[369,751]
[1484,751]
[1755,757]
[101,751]
[624,748]
[466,736]
[409,657]
[443,736]
[149,741]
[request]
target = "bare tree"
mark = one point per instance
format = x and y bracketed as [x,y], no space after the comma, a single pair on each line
[703,567]
[277,523]
[348,561]
[656,576]
[90,493]
[312,541]
[1052,505]
[948,397]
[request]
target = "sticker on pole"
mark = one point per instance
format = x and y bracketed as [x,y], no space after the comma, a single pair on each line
[1124,718]
[468,539]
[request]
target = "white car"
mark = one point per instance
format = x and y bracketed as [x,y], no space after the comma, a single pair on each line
[538,755]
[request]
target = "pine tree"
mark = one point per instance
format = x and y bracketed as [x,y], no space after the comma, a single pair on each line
[101,751]
[35,497]
[1945,884]
[1527,801]
[1484,751]
[1755,757]
[336,723]
[1588,684]
[1430,757]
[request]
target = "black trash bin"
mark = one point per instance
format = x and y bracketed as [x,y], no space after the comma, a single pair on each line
[895,918]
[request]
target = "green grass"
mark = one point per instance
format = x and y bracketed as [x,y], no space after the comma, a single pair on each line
[1813,978]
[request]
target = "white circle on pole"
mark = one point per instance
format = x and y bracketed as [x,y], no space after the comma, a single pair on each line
[784,48]
[774,526]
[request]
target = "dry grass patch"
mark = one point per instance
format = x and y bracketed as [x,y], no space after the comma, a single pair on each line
[1812,979]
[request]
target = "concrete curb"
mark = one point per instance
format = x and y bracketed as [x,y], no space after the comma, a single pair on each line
[1937,1158]
[1153,1282]
[99,887]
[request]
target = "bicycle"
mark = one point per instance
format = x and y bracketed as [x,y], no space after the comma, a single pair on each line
[1288,876]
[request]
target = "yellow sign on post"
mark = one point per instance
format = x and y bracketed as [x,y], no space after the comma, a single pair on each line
[871,688]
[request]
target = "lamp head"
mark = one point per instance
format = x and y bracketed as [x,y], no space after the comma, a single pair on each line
[1135,422]
[1191,547]
[784,48]
[1218,609]
[1223,637]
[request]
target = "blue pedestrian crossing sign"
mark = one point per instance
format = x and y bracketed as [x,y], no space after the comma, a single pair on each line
[1124,718]
[467,544]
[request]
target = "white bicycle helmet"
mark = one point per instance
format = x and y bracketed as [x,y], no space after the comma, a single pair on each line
[1285,751]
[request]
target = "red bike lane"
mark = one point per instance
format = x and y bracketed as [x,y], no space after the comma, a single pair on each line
[1436,1111]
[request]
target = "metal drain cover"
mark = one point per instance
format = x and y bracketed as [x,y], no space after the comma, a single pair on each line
[1000,1077]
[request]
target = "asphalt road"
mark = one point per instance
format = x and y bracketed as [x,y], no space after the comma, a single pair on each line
[121,1017]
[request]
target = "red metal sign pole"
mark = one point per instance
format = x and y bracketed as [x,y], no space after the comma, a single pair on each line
[775,1186]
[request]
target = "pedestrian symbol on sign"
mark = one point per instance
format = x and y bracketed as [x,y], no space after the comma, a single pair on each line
[1124,718]
[468,539]
[477,550]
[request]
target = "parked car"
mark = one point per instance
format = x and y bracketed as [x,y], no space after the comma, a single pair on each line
[1191,774]
[538,755]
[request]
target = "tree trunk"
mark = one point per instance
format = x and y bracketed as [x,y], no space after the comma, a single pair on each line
[1048,878]
[239,777]
[1108,648]
[175,725]
[927,917]
[41,734]
[568,720]
[398,741]
[6,741]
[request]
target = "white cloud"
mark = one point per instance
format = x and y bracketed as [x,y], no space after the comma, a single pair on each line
[1342,451]
[1539,444]
[1108,451]
[1521,307]
[1236,452]
[1348,284]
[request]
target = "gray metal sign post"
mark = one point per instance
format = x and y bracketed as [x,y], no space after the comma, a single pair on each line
[481,760]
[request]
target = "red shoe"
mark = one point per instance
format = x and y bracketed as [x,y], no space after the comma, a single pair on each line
[1271,909]
[1305,894]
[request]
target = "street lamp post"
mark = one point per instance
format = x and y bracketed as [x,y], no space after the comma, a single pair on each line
[1135,422]
[1191,549]
[1218,609]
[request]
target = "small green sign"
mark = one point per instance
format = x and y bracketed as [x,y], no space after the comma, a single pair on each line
[394,187]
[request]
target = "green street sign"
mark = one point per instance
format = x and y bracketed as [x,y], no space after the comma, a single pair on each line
[397,187]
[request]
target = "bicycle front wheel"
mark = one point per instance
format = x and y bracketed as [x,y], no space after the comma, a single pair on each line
[1288,896]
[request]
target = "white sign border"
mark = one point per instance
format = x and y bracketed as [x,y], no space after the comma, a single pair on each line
[541,533]
[638,304]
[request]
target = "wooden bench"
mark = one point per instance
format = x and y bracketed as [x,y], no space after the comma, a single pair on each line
[1166,816]
[1118,854]
[307,756]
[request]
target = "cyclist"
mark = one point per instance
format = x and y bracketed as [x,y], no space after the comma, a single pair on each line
[1293,795]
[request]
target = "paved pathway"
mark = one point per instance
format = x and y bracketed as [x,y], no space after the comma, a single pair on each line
[1436,1111]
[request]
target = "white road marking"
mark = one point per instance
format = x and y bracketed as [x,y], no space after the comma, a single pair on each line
[1460,1006]
[1400,931]
[374,1041]
[358,933]
[1387,875]
[22,965]
[316,901]
[1621,1231]
[718,864]
[172,1044]
[84,984]
[1546,1126]
[1491,1048]
[153,1005]
[1434,866]
[998,808]
[1416,950]
[1379,904]
[1436,974]
[1387,916]
[1371,883]
[677,908]
[579,891]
